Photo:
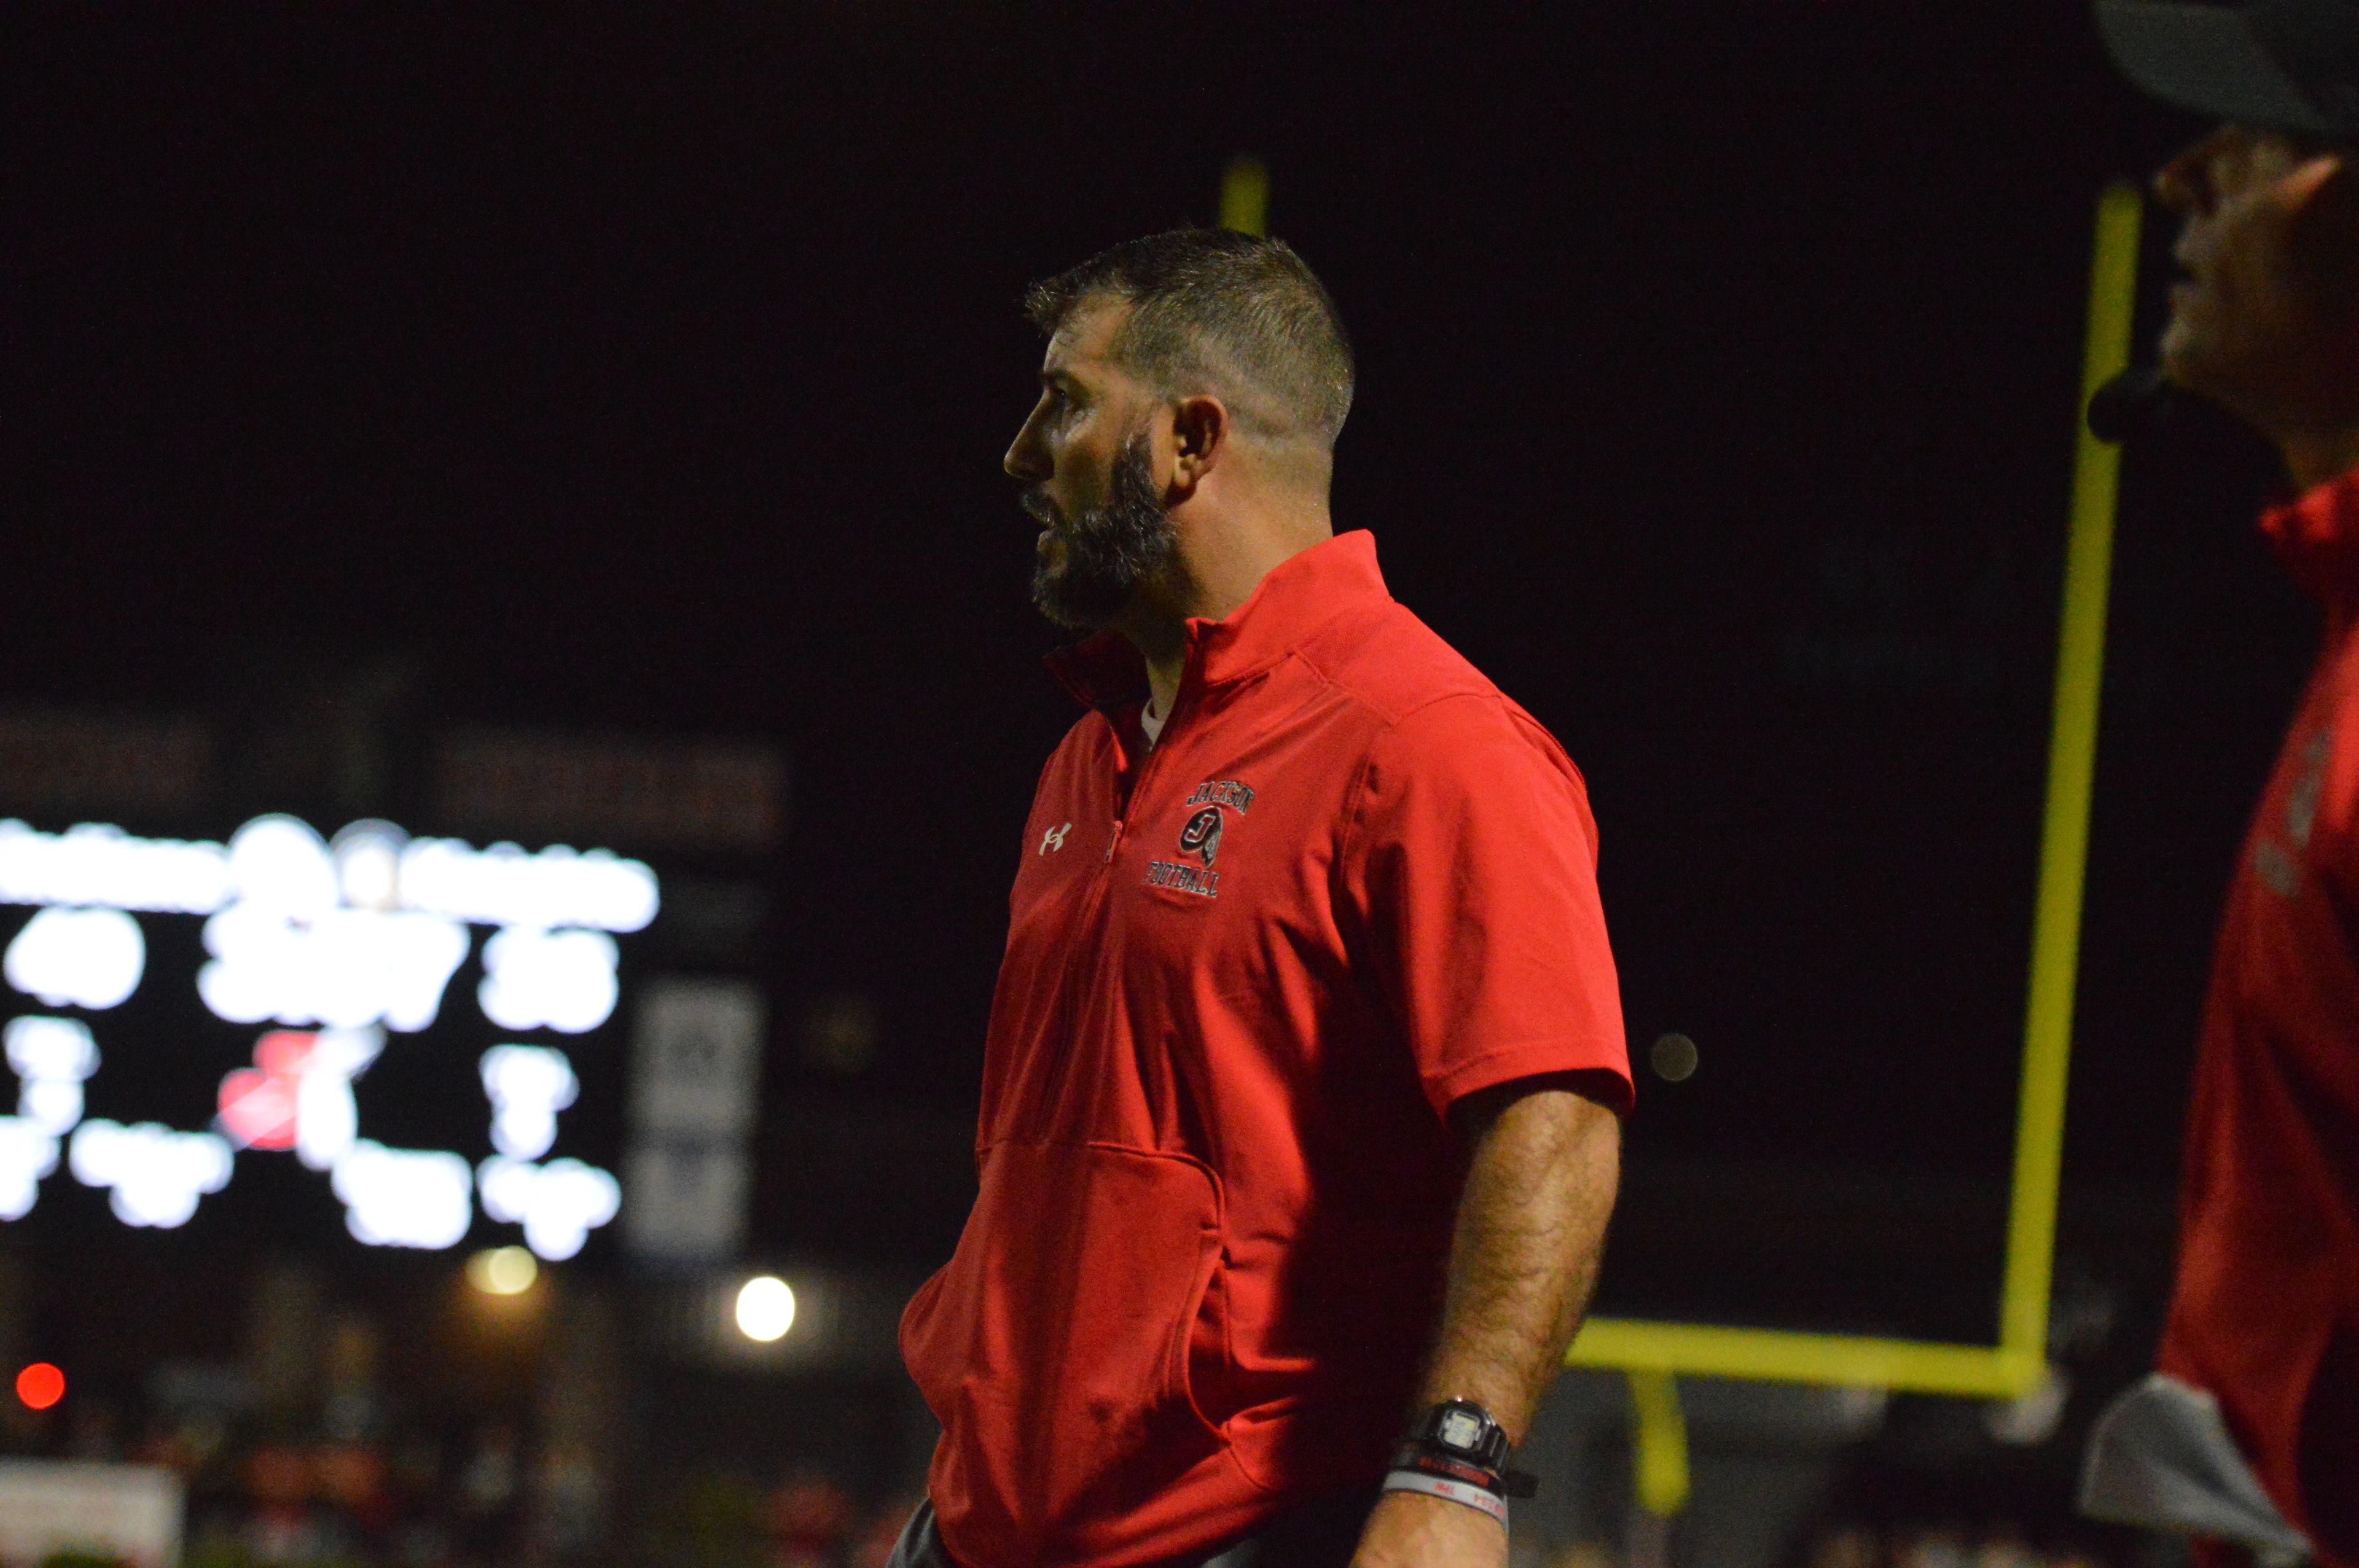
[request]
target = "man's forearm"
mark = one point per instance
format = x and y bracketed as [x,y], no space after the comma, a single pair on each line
[1524,1257]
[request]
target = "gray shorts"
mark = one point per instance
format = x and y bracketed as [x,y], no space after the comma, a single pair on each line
[1323,1534]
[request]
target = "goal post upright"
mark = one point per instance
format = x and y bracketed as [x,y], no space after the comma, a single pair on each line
[1654,1354]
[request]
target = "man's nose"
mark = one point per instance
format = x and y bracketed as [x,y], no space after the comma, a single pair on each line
[1027,457]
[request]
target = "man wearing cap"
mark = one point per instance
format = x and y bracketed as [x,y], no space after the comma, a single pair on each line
[2247,1437]
[1302,1091]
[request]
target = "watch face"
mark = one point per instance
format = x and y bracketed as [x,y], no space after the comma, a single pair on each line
[1462,1429]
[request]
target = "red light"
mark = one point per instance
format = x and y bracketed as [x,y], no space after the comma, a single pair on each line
[40,1386]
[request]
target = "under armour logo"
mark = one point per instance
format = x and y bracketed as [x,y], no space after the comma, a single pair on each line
[1054,838]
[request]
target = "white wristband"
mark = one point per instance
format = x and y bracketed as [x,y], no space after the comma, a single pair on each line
[1455,1491]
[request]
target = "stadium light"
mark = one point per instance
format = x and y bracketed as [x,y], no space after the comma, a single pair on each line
[503,1270]
[765,1309]
[40,1385]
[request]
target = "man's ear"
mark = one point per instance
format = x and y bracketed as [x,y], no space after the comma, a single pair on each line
[1200,437]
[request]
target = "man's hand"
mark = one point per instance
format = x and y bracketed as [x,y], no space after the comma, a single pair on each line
[1409,1529]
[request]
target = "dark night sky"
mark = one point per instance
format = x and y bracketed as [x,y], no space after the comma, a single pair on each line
[649,367]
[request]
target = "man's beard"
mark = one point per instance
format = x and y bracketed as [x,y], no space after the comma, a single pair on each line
[1108,551]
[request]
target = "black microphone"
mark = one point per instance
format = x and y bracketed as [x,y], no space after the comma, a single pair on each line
[2136,404]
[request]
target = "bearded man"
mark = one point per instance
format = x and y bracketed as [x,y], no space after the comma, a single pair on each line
[1302,1091]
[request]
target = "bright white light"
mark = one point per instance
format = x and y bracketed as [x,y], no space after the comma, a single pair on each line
[554,979]
[282,866]
[504,886]
[157,1175]
[559,1204]
[327,1122]
[98,864]
[77,957]
[279,863]
[404,1197]
[368,864]
[53,1105]
[52,1056]
[50,1048]
[28,1152]
[503,1270]
[347,969]
[766,1308]
[528,1084]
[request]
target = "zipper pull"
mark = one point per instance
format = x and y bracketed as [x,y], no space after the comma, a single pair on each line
[1114,842]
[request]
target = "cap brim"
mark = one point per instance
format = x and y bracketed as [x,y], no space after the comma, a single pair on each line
[2204,58]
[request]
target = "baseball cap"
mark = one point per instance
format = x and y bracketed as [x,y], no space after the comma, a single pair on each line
[2276,65]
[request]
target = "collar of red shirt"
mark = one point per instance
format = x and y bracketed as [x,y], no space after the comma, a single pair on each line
[1299,593]
[2317,538]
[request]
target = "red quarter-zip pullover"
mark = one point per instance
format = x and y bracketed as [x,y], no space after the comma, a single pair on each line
[2265,1312]
[1247,972]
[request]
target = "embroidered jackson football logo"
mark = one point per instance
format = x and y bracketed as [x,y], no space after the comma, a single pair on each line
[1200,838]
[1237,798]
[1183,879]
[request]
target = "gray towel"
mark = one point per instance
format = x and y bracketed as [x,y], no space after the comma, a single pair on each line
[2161,1457]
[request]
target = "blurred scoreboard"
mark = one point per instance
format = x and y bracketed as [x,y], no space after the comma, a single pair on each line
[296,1026]
[327,952]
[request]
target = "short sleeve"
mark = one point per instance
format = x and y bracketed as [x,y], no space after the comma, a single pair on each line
[1472,868]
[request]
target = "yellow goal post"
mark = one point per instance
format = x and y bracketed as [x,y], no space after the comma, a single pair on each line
[2017,1362]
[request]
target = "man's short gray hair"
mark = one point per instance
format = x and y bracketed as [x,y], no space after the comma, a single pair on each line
[1212,310]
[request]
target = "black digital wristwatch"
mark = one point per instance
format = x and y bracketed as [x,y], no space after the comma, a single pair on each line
[1459,1437]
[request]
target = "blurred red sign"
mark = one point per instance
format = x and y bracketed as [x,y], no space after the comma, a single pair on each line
[716,795]
[85,762]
